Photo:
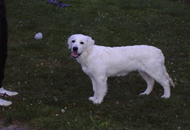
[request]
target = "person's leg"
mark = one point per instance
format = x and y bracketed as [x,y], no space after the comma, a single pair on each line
[3,43]
[3,55]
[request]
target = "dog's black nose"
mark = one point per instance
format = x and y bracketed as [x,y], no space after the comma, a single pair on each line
[75,48]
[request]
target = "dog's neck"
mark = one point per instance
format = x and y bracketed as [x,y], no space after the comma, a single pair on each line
[83,59]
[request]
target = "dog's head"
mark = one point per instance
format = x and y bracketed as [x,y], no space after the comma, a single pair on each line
[78,44]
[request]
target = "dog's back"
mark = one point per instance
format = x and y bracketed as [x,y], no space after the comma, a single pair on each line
[122,60]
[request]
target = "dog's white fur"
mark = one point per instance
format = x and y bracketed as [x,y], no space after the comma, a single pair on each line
[100,62]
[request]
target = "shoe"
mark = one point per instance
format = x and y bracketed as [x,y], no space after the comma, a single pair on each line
[5,103]
[58,4]
[9,93]
[52,2]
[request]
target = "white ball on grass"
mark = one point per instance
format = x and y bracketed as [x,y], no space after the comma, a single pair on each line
[38,36]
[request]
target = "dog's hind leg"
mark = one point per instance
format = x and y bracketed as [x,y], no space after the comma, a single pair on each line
[150,83]
[166,87]
[101,89]
[166,82]
[159,76]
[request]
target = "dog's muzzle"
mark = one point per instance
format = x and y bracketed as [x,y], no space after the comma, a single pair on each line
[74,53]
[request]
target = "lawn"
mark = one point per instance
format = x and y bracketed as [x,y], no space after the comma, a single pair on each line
[53,90]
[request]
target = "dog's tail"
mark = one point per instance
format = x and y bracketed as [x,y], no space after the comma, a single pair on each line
[168,77]
[166,73]
[172,83]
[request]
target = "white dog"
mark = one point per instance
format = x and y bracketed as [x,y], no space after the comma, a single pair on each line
[100,62]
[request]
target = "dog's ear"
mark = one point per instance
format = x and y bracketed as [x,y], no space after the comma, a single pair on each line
[69,42]
[90,42]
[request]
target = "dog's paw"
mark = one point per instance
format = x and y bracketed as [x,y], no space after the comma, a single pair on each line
[143,93]
[92,98]
[165,96]
[97,101]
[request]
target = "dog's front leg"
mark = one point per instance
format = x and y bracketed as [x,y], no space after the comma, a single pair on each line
[100,89]
[94,89]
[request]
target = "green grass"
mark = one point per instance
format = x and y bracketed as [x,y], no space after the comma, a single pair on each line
[48,81]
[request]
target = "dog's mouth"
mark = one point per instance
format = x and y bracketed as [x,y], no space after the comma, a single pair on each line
[75,55]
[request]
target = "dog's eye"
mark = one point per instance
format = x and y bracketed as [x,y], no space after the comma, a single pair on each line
[81,42]
[73,41]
